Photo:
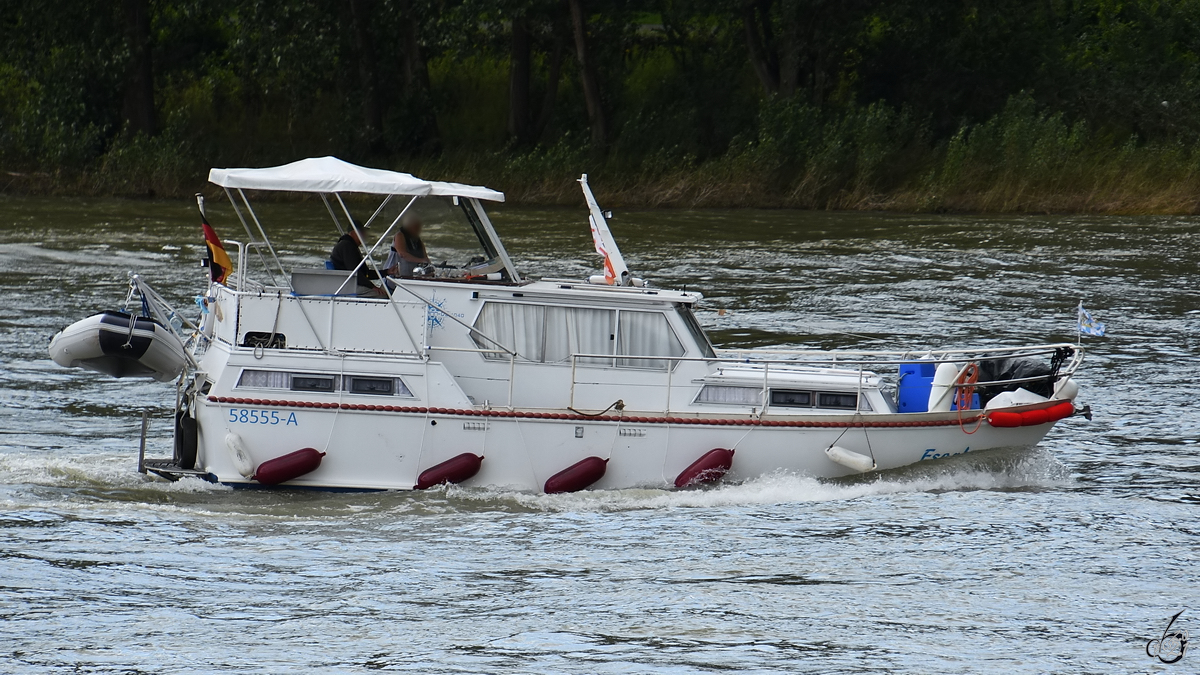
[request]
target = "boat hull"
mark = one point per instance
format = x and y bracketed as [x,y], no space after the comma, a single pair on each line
[388,447]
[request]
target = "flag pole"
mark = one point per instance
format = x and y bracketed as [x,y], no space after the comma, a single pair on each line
[1079,324]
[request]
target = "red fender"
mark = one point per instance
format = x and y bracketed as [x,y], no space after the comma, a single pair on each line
[711,466]
[1061,411]
[1004,419]
[454,470]
[576,477]
[288,467]
[1031,418]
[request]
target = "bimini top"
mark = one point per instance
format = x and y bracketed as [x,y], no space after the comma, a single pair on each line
[330,174]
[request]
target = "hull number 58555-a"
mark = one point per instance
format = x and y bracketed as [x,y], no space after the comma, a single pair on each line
[269,417]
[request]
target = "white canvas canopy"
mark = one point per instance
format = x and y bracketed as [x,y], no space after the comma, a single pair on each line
[330,174]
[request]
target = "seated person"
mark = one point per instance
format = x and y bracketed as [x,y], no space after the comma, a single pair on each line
[408,251]
[347,256]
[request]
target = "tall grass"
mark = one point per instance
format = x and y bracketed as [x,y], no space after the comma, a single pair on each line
[868,157]
[1026,160]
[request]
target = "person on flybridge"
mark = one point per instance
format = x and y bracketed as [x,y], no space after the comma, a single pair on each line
[408,251]
[347,256]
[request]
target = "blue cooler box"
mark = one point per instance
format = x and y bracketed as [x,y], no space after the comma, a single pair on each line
[916,380]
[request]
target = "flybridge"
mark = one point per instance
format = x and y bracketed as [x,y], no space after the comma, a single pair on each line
[468,372]
[330,178]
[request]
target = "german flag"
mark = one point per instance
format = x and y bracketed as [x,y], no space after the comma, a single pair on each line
[219,264]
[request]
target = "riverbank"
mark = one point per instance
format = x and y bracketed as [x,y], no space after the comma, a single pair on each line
[873,158]
[707,186]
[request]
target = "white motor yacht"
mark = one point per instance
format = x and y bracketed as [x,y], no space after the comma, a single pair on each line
[477,374]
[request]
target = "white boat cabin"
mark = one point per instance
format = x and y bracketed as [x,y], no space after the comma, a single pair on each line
[474,331]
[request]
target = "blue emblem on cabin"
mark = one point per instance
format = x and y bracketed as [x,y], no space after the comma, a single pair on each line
[434,312]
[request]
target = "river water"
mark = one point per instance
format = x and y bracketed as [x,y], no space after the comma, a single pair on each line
[1066,559]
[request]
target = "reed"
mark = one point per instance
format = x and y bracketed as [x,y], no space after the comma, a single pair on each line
[1023,160]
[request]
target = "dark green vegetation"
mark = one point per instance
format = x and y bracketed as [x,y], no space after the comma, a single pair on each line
[1023,105]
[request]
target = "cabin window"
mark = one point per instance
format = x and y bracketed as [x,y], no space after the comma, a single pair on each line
[833,400]
[353,384]
[371,385]
[578,330]
[694,329]
[264,379]
[787,398]
[312,383]
[646,334]
[542,334]
[265,340]
[827,399]
[725,395]
[505,325]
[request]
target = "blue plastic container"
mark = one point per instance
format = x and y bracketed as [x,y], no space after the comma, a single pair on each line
[916,380]
[974,403]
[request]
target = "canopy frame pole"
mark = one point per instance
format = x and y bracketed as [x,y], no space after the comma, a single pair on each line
[429,305]
[250,244]
[379,210]
[383,283]
[345,210]
[422,351]
[367,257]
[266,240]
[329,207]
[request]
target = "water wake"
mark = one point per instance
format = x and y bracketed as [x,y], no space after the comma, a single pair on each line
[89,471]
[111,477]
[1032,470]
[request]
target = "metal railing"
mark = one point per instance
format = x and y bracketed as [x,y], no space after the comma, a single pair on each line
[863,363]
[860,364]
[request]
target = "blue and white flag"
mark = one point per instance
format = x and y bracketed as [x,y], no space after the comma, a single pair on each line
[1088,325]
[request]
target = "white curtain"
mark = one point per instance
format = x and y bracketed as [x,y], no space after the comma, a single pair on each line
[646,334]
[713,393]
[574,330]
[553,334]
[265,379]
[517,327]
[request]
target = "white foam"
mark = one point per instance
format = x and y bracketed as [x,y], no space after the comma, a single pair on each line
[88,470]
[1037,469]
[1033,470]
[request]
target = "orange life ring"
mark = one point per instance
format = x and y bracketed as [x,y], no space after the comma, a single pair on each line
[963,393]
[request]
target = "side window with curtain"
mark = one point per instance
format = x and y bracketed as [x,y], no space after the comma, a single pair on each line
[516,327]
[646,334]
[577,330]
[546,334]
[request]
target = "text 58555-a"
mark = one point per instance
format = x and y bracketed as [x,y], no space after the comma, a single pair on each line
[268,417]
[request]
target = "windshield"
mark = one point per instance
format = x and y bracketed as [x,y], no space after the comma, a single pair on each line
[439,237]
[693,326]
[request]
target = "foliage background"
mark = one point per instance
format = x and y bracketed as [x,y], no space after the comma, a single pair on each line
[1021,105]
